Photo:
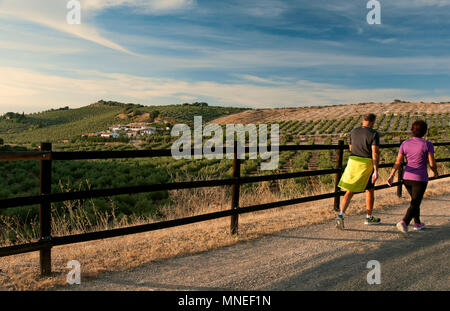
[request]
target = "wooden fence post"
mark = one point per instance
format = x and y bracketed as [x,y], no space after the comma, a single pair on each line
[45,219]
[235,191]
[339,164]
[400,178]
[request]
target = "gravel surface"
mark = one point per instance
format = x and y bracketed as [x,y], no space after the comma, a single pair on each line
[318,257]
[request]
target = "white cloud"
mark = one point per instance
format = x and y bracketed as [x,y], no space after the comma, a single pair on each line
[148,6]
[52,14]
[263,8]
[31,91]
[421,3]
[267,58]
[257,79]
[384,41]
[30,47]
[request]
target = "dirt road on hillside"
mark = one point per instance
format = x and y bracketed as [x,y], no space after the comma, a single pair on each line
[315,257]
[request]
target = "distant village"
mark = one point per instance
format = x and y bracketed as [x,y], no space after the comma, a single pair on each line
[132,130]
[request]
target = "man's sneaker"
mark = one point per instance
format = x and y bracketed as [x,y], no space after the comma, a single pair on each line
[402,227]
[372,221]
[340,222]
[419,226]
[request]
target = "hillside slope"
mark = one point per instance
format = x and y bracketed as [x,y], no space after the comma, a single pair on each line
[329,112]
[65,123]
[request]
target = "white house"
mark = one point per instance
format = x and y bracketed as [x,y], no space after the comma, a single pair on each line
[149,131]
[110,135]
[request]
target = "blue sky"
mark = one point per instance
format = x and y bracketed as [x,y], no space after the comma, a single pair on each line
[259,54]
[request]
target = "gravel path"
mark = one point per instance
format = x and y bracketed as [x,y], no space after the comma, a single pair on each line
[316,257]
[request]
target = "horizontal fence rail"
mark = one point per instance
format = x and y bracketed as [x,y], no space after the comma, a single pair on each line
[152,153]
[67,196]
[45,156]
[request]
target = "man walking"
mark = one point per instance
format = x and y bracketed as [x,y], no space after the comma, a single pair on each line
[361,172]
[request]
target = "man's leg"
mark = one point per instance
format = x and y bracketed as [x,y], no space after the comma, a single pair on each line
[370,199]
[346,201]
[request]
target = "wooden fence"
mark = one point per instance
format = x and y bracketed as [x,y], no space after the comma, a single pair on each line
[45,198]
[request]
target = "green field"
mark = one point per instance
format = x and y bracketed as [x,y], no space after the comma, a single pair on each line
[65,124]
[22,178]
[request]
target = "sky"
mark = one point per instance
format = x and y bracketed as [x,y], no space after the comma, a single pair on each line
[252,53]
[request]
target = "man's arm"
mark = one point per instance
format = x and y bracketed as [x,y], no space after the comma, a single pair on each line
[350,141]
[376,160]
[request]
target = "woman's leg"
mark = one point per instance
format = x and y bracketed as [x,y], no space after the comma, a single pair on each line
[420,189]
[416,189]
[410,211]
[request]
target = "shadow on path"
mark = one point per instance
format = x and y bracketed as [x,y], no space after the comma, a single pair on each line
[417,262]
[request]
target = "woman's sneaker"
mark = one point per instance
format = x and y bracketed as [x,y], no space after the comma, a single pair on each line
[372,221]
[340,222]
[419,226]
[401,226]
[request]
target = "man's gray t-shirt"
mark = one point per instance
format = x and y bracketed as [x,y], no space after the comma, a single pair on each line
[362,139]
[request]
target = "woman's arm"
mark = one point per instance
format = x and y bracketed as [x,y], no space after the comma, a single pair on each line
[433,164]
[397,164]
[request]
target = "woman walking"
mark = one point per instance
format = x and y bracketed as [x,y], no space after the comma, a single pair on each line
[418,153]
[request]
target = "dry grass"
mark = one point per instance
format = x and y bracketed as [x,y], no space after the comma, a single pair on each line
[72,218]
[116,254]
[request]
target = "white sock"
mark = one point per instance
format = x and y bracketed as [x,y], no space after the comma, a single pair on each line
[369,216]
[341,214]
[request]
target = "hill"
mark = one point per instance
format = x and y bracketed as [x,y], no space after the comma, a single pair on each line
[65,123]
[331,112]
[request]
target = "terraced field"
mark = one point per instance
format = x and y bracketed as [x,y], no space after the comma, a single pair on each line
[331,112]
[386,124]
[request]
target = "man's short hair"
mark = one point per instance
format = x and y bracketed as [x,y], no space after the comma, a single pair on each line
[369,117]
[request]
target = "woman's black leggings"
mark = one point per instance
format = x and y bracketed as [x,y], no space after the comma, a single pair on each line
[416,190]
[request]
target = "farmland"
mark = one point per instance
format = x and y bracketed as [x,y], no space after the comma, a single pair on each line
[64,124]
[22,178]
